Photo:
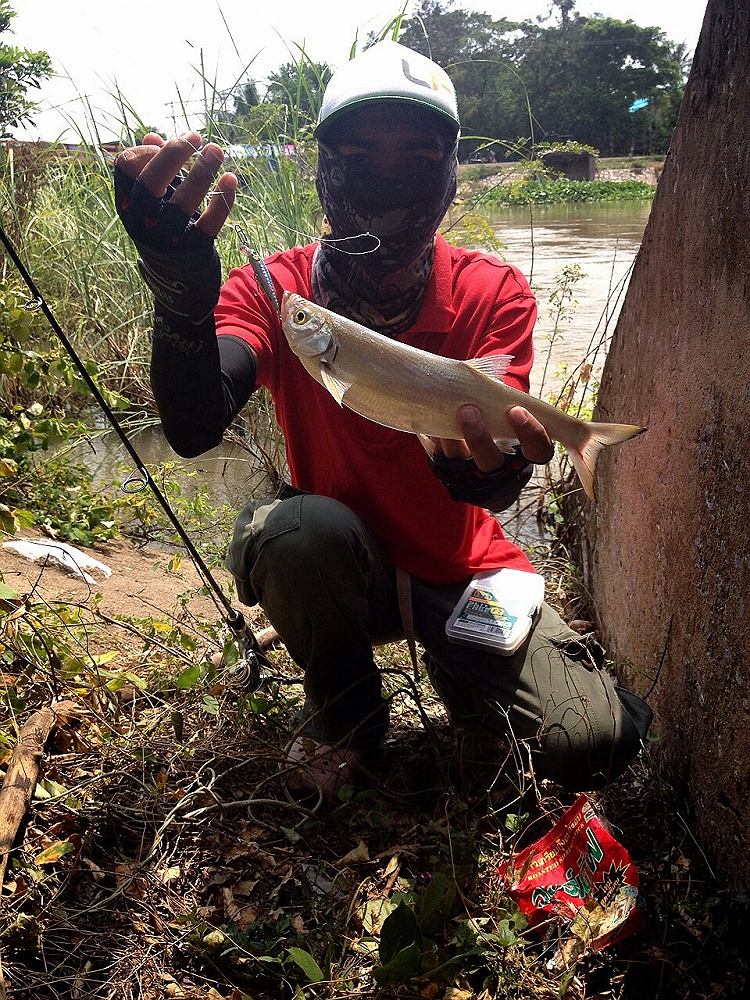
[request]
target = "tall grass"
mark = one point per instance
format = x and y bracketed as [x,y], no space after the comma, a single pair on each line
[59,207]
[80,257]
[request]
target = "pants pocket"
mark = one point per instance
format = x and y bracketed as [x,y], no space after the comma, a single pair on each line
[258,522]
[583,649]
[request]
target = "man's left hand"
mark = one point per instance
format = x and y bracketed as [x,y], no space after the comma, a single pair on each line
[478,444]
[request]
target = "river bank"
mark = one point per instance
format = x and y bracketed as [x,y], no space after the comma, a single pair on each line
[616,168]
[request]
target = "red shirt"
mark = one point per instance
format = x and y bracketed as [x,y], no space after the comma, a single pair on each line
[475,305]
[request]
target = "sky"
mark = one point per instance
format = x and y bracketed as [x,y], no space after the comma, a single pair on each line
[152,51]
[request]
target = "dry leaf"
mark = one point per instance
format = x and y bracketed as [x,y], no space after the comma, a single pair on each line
[392,866]
[245,887]
[214,938]
[54,852]
[67,711]
[230,907]
[246,915]
[431,991]
[357,856]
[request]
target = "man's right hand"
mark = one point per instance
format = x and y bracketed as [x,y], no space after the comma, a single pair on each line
[162,216]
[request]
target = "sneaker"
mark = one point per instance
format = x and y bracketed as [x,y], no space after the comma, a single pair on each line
[319,769]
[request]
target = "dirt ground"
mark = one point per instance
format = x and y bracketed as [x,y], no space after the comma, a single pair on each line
[141,585]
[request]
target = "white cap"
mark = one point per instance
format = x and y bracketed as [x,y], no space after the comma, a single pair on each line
[388,71]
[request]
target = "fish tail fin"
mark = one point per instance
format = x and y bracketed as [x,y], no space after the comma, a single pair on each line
[598,437]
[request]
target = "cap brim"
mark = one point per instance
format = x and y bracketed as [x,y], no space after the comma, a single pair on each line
[444,116]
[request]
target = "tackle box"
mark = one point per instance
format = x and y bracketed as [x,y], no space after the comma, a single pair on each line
[497,610]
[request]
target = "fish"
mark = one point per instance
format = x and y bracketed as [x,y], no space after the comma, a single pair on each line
[408,389]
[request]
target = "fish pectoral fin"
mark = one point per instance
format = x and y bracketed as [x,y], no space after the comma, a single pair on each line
[335,386]
[427,444]
[493,366]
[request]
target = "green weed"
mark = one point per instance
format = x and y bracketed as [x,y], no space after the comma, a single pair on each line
[530,191]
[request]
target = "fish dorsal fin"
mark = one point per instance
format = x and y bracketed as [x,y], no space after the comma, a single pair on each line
[493,366]
[335,386]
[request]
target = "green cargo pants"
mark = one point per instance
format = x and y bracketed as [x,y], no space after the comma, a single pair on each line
[328,588]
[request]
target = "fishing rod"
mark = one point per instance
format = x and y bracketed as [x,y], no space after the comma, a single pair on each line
[233,618]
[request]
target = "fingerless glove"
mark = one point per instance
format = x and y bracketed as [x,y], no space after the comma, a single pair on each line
[494,491]
[178,262]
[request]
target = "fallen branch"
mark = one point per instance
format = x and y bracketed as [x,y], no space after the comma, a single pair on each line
[23,770]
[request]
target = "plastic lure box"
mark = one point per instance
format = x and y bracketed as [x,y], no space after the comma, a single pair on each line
[497,610]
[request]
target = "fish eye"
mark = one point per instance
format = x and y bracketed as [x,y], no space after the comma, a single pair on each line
[300,316]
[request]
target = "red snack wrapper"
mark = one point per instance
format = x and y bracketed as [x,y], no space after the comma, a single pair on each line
[579,874]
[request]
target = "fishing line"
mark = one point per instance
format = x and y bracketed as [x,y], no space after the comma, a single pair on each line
[140,477]
[329,241]
[254,255]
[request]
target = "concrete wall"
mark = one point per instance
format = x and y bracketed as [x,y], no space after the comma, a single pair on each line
[668,543]
[574,166]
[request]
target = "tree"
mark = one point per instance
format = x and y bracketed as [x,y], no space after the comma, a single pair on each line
[292,99]
[20,69]
[584,73]
[478,52]
[239,125]
[574,78]
[299,85]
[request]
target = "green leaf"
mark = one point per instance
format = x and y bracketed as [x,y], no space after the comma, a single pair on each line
[375,912]
[178,724]
[116,683]
[7,593]
[400,930]
[24,518]
[436,902]
[46,788]
[307,963]
[230,653]
[506,934]
[404,964]
[189,677]
[210,705]
[8,522]
[515,822]
[101,659]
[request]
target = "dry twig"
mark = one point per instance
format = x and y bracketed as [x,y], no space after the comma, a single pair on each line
[23,770]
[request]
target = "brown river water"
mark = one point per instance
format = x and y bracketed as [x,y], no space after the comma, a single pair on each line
[601,239]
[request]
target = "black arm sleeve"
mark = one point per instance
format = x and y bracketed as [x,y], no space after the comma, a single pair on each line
[200,381]
[495,491]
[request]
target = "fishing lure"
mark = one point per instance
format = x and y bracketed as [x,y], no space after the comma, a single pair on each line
[260,270]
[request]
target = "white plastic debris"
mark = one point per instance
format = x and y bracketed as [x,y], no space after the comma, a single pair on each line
[61,554]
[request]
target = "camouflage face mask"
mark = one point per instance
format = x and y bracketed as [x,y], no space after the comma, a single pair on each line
[384,286]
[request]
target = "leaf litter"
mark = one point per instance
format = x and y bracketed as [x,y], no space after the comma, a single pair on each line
[162,856]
